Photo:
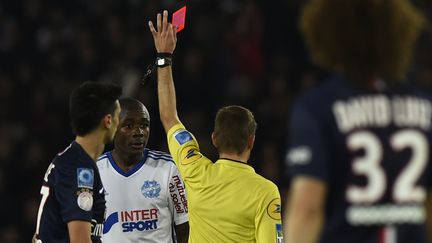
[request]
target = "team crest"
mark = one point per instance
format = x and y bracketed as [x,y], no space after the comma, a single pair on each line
[274,209]
[151,189]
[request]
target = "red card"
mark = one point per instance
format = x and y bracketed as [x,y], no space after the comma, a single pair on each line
[178,18]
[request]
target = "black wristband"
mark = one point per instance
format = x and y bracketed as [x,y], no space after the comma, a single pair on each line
[163,61]
[164,55]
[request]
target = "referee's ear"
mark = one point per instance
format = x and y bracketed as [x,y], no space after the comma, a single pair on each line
[213,137]
[251,142]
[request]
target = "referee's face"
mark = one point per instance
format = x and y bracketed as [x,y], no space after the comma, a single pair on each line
[132,133]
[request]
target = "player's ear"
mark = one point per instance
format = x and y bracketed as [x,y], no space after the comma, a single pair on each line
[107,121]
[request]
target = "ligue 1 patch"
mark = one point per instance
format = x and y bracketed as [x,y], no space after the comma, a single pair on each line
[85,200]
[182,137]
[189,155]
[151,189]
[274,209]
[279,233]
[85,178]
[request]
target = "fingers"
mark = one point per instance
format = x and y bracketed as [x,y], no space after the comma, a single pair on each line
[159,22]
[152,29]
[165,21]
[174,31]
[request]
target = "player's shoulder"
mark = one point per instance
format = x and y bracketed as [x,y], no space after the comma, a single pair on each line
[324,92]
[158,158]
[416,90]
[103,160]
[69,157]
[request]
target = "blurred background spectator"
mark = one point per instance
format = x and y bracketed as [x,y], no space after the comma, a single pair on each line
[245,52]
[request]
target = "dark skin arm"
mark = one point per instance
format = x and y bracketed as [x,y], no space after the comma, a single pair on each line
[182,231]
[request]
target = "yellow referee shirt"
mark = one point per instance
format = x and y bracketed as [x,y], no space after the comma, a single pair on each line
[227,200]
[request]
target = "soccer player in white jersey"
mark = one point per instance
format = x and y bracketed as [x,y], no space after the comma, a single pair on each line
[146,197]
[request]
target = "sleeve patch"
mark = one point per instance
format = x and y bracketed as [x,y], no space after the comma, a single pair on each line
[279,233]
[85,200]
[182,137]
[85,178]
[274,209]
[189,155]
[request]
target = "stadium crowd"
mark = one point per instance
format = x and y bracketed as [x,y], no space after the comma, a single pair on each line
[245,52]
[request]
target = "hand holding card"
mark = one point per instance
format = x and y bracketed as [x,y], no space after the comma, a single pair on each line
[178,18]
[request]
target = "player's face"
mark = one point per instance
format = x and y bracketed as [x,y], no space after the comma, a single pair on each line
[132,133]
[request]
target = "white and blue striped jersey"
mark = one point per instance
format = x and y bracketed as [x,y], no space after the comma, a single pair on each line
[144,203]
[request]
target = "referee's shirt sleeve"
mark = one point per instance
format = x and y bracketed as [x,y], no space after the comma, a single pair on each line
[268,224]
[185,152]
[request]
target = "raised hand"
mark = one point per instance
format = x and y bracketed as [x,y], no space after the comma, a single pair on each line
[165,36]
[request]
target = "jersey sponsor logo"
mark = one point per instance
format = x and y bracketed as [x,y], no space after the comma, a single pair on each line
[279,233]
[151,189]
[85,200]
[85,178]
[274,209]
[133,220]
[182,137]
[178,194]
[301,155]
[189,155]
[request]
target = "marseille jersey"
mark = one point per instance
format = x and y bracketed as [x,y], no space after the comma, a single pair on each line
[372,149]
[71,190]
[144,203]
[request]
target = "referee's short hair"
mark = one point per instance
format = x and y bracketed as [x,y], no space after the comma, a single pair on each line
[233,127]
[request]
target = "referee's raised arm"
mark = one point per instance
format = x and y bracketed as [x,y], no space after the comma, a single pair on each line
[165,39]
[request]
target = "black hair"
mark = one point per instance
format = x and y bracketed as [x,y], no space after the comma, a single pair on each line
[89,103]
[131,104]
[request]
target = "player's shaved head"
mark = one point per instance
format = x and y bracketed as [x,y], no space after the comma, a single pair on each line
[132,105]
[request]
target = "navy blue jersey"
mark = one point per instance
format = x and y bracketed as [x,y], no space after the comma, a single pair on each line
[372,150]
[71,190]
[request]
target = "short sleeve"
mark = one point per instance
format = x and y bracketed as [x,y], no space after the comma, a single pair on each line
[268,221]
[178,197]
[307,153]
[185,152]
[74,192]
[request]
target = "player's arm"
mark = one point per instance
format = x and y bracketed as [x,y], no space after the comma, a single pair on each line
[182,232]
[79,231]
[165,42]
[304,214]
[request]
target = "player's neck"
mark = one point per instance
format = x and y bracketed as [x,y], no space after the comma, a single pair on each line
[92,144]
[125,162]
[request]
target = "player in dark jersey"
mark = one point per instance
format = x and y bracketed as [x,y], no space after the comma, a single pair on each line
[359,144]
[72,207]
